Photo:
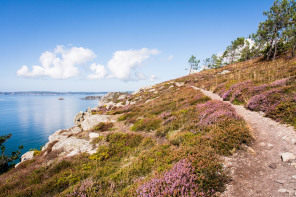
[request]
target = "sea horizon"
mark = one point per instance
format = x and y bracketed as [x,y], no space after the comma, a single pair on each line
[32,118]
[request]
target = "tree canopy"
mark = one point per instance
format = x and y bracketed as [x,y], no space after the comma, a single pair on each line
[6,159]
[275,35]
[193,63]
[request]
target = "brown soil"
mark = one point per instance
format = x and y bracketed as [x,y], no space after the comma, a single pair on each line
[260,170]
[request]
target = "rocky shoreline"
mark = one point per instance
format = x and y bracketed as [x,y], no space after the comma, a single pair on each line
[75,140]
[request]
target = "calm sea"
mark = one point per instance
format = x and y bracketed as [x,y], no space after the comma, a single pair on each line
[31,119]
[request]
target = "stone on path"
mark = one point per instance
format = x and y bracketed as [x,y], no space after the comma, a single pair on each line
[282,190]
[273,166]
[287,157]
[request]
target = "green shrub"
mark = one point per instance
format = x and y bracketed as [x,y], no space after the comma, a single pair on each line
[148,124]
[97,139]
[104,126]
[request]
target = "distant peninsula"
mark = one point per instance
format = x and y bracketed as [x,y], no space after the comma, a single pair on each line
[50,93]
[91,98]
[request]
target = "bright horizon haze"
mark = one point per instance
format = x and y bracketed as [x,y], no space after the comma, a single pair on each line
[100,46]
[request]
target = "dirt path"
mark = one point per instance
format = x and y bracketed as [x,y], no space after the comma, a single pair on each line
[261,171]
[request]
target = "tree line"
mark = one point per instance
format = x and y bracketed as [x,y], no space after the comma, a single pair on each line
[275,35]
[6,160]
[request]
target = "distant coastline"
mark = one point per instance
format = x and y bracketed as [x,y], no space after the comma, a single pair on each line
[50,93]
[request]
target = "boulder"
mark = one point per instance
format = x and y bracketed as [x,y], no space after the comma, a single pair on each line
[74,144]
[27,156]
[90,121]
[79,118]
[224,72]
[283,190]
[94,135]
[179,84]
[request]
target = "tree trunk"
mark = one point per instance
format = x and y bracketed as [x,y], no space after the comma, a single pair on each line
[275,49]
[190,69]
[269,52]
[276,43]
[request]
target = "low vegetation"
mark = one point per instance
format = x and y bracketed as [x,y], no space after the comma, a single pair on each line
[266,86]
[175,131]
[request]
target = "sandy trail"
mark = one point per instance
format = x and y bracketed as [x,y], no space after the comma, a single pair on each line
[260,171]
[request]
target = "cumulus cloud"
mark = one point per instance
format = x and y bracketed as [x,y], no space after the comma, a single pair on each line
[123,63]
[99,71]
[59,64]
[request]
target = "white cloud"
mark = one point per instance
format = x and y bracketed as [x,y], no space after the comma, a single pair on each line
[170,57]
[123,63]
[60,64]
[153,77]
[99,70]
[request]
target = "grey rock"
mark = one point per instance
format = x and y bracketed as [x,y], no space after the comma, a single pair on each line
[179,84]
[79,118]
[273,166]
[294,177]
[280,181]
[287,157]
[282,190]
[94,135]
[27,156]
[90,121]
[74,144]
[224,72]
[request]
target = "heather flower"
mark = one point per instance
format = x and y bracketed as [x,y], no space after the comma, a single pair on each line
[266,101]
[226,95]
[179,181]
[82,190]
[258,89]
[235,90]
[214,111]
[280,82]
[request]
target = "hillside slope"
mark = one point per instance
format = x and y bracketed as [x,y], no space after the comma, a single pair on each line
[165,140]
[261,171]
[266,86]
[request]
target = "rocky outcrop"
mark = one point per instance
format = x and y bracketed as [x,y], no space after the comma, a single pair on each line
[72,146]
[69,141]
[27,156]
[79,118]
[91,120]
[113,99]
[142,89]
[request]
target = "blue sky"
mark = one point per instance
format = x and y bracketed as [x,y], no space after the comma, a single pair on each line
[114,45]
